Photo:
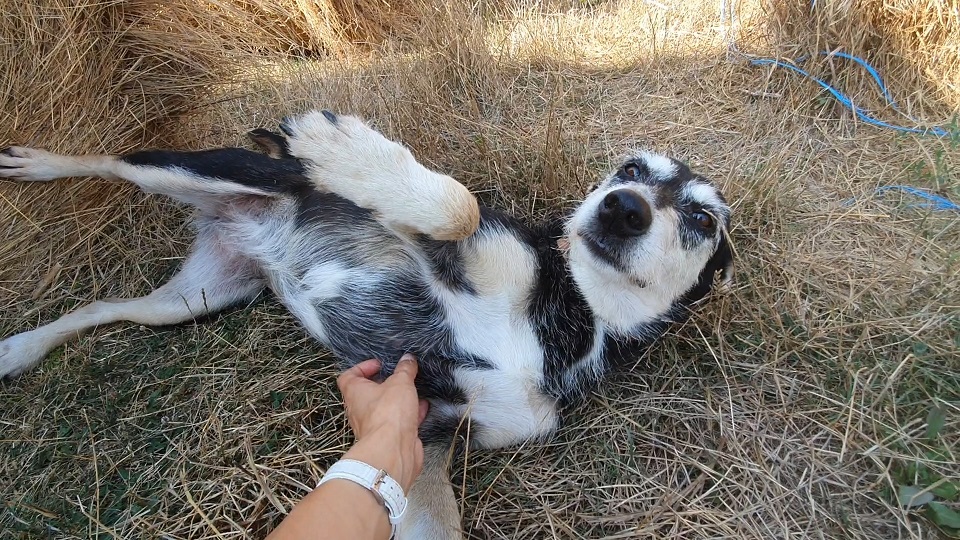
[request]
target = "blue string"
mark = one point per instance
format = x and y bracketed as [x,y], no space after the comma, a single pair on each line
[847,102]
[728,19]
[873,73]
[936,202]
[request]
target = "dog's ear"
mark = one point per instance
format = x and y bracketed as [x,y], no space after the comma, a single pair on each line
[720,263]
[273,144]
[723,260]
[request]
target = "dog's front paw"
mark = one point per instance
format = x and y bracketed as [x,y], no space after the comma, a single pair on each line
[343,146]
[19,353]
[28,164]
[344,155]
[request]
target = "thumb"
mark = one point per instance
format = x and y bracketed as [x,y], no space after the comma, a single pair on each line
[362,371]
[406,369]
[422,412]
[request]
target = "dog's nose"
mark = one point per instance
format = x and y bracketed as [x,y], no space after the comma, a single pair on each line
[624,213]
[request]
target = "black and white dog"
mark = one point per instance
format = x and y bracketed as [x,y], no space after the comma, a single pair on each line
[377,256]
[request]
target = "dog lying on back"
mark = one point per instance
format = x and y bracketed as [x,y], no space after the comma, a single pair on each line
[376,255]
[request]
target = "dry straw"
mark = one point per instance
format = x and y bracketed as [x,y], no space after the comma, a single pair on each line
[914,44]
[796,405]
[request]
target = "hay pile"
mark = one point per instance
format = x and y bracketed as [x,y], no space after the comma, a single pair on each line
[111,76]
[93,77]
[311,29]
[798,405]
[915,45]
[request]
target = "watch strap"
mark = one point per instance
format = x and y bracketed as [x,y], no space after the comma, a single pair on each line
[385,488]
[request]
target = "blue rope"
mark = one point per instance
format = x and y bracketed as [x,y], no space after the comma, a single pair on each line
[936,202]
[863,63]
[728,21]
[847,102]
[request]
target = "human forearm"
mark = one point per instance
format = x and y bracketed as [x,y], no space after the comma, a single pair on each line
[337,510]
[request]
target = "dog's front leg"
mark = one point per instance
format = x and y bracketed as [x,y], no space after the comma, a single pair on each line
[343,155]
[432,512]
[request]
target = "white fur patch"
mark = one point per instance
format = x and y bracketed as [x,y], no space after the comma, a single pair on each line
[349,158]
[662,168]
[493,324]
[508,404]
[323,281]
[703,194]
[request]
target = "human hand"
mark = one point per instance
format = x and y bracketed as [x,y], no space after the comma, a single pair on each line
[384,418]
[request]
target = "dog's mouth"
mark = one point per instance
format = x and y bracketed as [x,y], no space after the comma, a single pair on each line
[600,247]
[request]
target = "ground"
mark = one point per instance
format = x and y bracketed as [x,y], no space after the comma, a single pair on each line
[799,404]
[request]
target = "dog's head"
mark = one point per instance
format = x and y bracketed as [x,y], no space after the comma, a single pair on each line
[649,241]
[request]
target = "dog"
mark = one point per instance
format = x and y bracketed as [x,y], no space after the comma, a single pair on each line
[377,255]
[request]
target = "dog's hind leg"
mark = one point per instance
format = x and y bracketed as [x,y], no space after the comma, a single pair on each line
[432,512]
[343,155]
[211,279]
[203,179]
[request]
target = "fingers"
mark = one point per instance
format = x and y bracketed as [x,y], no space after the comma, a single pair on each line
[403,374]
[362,371]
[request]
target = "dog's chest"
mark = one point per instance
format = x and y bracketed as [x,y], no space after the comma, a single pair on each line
[492,321]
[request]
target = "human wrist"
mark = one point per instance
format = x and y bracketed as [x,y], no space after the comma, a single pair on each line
[344,497]
[384,451]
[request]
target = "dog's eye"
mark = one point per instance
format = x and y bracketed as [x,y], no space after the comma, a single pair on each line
[632,170]
[703,219]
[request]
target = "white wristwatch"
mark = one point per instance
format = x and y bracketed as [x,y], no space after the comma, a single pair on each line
[384,488]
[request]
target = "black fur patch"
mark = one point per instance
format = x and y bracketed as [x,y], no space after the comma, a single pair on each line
[435,380]
[564,322]
[620,352]
[244,167]
[446,262]
[330,208]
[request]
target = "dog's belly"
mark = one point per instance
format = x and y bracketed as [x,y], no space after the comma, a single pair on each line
[365,293]
[478,357]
